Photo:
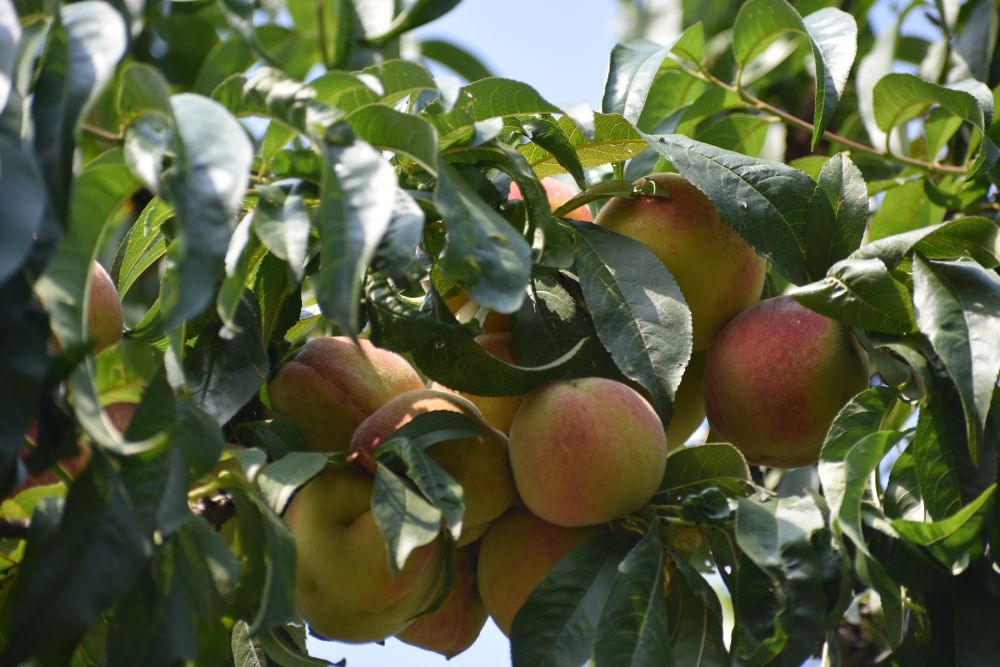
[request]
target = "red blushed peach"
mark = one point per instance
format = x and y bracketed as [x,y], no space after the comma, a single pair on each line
[716,271]
[479,465]
[776,377]
[458,621]
[558,194]
[104,313]
[516,555]
[586,451]
[333,384]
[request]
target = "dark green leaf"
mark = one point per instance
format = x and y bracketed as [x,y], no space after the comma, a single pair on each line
[414,16]
[282,223]
[781,212]
[958,309]
[630,75]
[454,58]
[247,651]
[638,310]
[10,35]
[557,626]
[632,631]
[388,129]
[143,245]
[23,203]
[398,248]
[974,237]
[691,467]
[279,480]
[845,186]
[861,293]
[428,476]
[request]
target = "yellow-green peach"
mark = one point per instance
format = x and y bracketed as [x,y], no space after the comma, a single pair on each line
[343,586]
[456,624]
[776,377]
[332,384]
[586,451]
[716,271]
[689,403]
[516,555]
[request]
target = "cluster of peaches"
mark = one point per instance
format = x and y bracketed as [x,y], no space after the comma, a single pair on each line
[551,468]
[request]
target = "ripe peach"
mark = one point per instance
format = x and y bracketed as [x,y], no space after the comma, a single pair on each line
[332,384]
[343,586]
[479,465]
[558,194]
[776,377]
[497,411]
[458,621]
[717,272]
[516,555]
[689,403]
[586,451]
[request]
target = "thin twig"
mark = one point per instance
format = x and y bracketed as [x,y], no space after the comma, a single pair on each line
[101,133]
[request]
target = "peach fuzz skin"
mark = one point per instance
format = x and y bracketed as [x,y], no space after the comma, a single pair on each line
[104,309]
[458,621]
[558,194]
[343,586]
[333,384]
[497,411]
[516,555]
[716,271]
[480,465]
[776,377]
[586,451]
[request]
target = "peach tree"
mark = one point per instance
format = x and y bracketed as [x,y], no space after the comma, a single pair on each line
[257,175]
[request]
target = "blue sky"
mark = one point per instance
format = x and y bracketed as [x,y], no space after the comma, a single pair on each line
[561,48]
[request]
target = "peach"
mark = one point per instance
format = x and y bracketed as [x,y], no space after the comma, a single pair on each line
[776,377]
[479,465]
[558,194]
[689,403]
[104,309]
[343,586]
[456,624]
[516,555]
[586,451]
[716,271]
[332,384]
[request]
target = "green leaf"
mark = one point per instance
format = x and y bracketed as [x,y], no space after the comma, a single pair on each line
[845,476]
[485,254]
[711,463]
[691,44]
[861,293]
[388,129]
[80,60]
[958,309]
[355,209]
[454,58]
[976,43]
[225,369]
[695,620]
[781,212]
[404,518]
[447,352]
[956,540]
[633,626]
[630,76]
[415,15]
[279,480]
[936,446]
[247,651]
[285,651]
[614,140]
[638,310]
[737,132]
[24,203]
[848,193]
[905,208]
[433,481]
[972,236]
[282,223]
[902,97]
[557,626]
[832,33]
[75,568]
[398,248]
[548,135]
[143,245]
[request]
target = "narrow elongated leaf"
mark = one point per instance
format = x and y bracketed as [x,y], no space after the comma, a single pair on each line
[845,186]
[398,248]
[388,129]
[23,203]
[404,518]
[861,293]
[863,415]
[279,480]
[80,60]
[630,76]
[901,97]
[485,100]
[958,309]
[414,16]
[557,626]
[485,254]
[780,211]
[971,236]
[355,209]
[832,33]
[638,311]
[428,476]
[614,140]
[454,58]
[142,246]
[282,223]
[936,446]
[548,135]
[956,540]
[633,628]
